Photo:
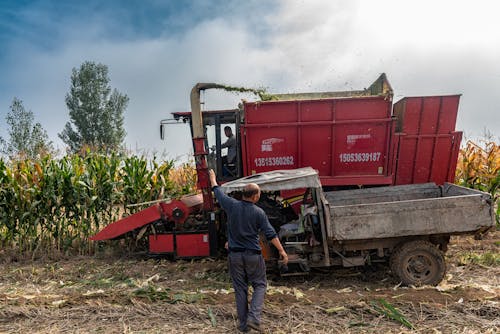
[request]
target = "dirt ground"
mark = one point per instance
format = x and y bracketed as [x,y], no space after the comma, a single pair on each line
[111,294]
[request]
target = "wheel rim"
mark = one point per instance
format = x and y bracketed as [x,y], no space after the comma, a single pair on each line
[420,267]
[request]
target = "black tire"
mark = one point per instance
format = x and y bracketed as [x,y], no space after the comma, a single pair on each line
[418,262]
[395,250]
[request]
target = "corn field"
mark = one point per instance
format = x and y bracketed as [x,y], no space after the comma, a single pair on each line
[479,168]
[54,205]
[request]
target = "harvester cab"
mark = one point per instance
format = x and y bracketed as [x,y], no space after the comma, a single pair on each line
[214,122]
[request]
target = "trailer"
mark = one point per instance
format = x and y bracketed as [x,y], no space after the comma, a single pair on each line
[407,226]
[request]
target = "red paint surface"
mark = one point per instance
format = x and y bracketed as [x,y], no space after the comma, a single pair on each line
[142,218]
[345,139]
[129,223]
[193,244]
[161,243]
[426,147]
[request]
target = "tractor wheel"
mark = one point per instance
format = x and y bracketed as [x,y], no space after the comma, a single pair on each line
[392,259]
[419,262]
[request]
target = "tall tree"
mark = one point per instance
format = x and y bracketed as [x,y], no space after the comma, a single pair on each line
[26,138]
[96,112]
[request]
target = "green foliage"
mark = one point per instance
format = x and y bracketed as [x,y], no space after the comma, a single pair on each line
[385,308]
[154,294]
[96,111]
[478,167]
[261,92]
[211,315]
[26,138]
[488,259]
[56,205]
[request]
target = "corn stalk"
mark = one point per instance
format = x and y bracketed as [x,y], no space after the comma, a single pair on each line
[54,205]
[479,168]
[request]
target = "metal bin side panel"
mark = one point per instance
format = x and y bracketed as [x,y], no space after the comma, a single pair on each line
[346,139]
[426,115]
[426,158]
[449,215]
[385,194]
[427,143]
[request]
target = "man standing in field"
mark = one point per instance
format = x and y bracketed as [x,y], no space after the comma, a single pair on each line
[246,265]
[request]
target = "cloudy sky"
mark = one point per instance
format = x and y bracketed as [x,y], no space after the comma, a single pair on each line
[157,50]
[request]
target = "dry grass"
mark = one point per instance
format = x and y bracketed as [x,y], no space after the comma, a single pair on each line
[132,295]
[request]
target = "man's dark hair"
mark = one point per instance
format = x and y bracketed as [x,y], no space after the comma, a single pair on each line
[228,128]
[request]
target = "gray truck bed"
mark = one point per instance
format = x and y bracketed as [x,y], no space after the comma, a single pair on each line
[399,211]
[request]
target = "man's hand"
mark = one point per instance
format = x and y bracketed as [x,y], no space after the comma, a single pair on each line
[284,257]
[213,179]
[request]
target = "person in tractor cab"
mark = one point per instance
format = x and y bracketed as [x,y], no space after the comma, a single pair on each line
[245,221]
[229,160]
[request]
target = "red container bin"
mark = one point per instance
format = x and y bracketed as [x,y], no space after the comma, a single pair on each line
[426,115]
[426,144]
[346,139]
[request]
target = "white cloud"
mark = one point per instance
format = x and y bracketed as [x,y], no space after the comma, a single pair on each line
[426,48]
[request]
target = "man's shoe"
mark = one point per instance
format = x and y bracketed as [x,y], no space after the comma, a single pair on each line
[253,325]
[243,329]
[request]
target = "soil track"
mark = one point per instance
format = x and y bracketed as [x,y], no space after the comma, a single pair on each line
[133,295]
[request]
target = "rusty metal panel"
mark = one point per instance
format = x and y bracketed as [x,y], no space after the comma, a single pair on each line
[443,215]
[389,194]
[450,189]
[380,87]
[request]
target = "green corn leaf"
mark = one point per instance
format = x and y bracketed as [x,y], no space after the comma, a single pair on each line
[211,315]
[391,312]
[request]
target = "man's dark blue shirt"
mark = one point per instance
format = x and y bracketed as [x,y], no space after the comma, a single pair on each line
[244,222]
